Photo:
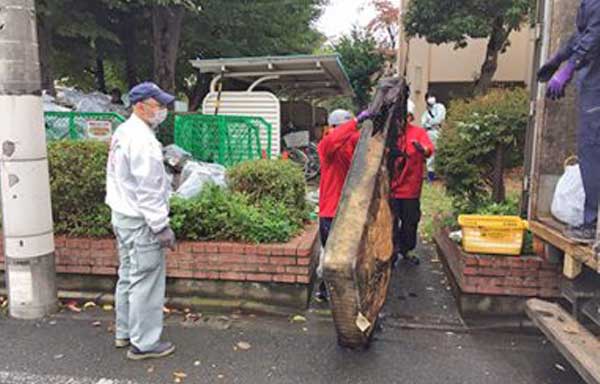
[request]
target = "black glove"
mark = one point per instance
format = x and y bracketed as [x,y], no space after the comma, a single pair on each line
[549,68]
[418,147]
[166,238]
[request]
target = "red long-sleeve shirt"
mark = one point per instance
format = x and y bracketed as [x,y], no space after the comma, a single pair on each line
[335,154]
[407,183]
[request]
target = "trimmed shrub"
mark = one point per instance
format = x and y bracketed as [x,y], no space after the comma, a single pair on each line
[262,212]
[77,184]
[280,180]
[484,137]
[221,214]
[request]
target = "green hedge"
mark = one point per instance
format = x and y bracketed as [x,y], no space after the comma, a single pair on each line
[266,203]
[77,183]
[278,179]
[483,137]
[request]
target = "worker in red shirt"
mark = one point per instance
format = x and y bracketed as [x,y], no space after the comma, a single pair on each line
[413,149]
[336,150]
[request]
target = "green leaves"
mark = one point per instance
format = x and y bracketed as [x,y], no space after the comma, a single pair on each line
[451,21]
[77,183]
[362,61]
[467,147]
[266,202]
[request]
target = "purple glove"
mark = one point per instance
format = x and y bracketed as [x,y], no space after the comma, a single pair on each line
[364,115]
[556,86]
[548,70]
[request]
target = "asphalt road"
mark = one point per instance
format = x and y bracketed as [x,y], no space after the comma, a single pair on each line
[76,349]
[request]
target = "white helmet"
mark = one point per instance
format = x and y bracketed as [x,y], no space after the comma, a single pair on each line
[339,117]
[410,107]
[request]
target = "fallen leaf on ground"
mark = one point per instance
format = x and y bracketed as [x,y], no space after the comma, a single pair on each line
[244,346]
[151,369]
[298,319]
[73,307]
[56,357]
[193,316]
[180,375]
[560,367]
[96,323]
[107,307]
[166,310]
[89,304]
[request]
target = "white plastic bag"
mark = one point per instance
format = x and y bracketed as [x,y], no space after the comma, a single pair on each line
[196,175]
[569,197]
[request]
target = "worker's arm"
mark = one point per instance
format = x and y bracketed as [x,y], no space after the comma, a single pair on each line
[146,166]
[438,115]
[424,145]
[585,44]
[337,138]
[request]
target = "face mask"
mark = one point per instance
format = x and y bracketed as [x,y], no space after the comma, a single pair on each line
[431,100]
[158,118]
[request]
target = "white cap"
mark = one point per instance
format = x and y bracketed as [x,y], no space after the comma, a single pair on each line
[339,117]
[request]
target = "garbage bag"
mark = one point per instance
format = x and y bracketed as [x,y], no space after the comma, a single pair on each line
[176,157]
[94,102]
[196,175]
[50,104]
[569,197]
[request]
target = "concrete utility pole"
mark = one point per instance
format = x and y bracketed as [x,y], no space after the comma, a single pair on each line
[26,209]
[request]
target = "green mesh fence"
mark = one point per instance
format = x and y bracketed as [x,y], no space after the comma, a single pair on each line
[226,140]
[79,125]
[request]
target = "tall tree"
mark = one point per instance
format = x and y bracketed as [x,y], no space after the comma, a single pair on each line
[451,21]
[385,29]
[363,62]
[244,28]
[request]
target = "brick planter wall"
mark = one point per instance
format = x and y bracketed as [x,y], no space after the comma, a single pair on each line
[496,275]
[291,263]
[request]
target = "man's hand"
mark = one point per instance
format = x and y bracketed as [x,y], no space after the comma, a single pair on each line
[166,238]
[556,86]
[419,147]
[547,70]
[364,115]
[545,73]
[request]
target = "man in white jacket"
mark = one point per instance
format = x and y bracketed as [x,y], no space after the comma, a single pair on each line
[137,191]
[432,120]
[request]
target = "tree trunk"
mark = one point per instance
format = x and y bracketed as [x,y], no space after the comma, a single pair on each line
[166,32]
[44,45]
[99,74]
[128,37]
[200,90]
[496,43]
[498,190]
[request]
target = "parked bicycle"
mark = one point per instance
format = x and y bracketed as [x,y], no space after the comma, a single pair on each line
[303,152]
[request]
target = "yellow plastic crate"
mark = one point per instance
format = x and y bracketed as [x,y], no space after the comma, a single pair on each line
[496,235]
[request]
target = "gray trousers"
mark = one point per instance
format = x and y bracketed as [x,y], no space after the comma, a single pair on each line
[140,291]
[589,152]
